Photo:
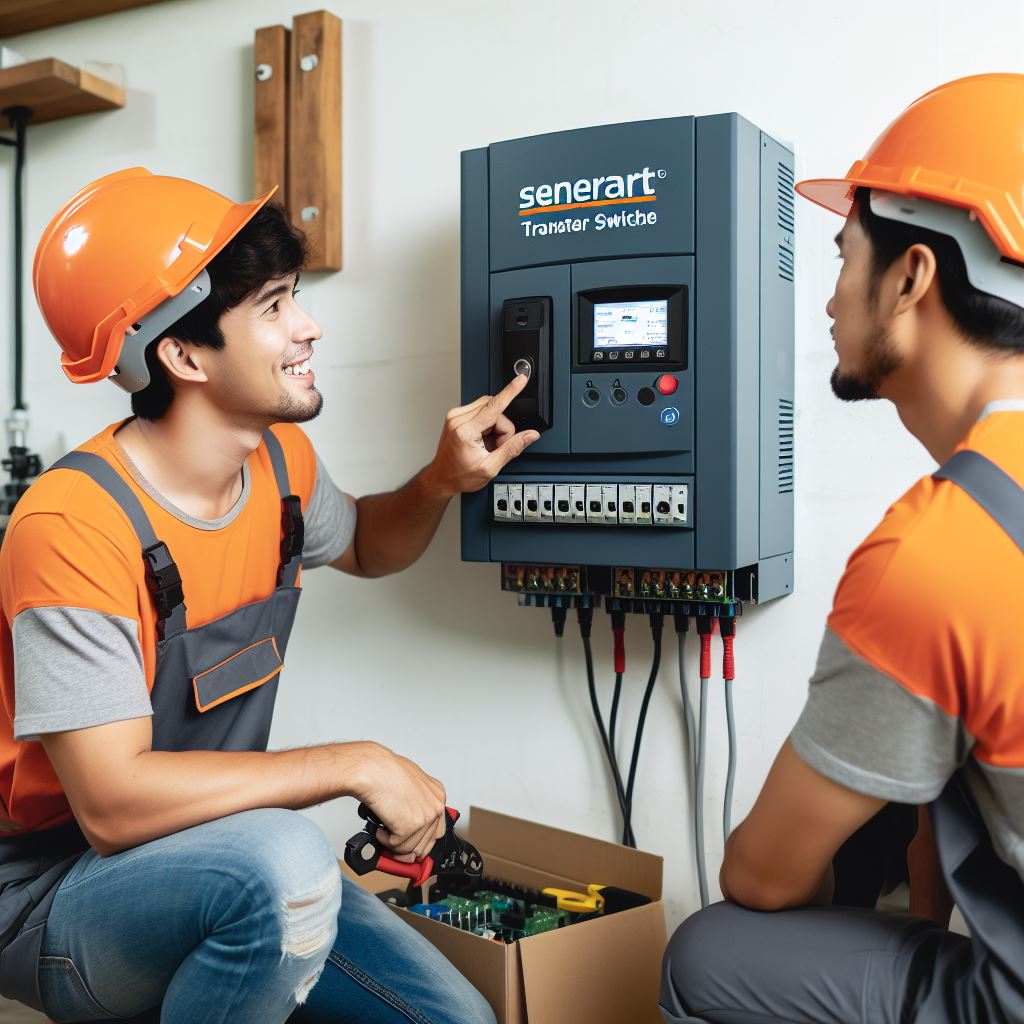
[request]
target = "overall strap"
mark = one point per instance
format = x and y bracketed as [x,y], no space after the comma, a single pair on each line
[162,576]
[292,527]
[992,488]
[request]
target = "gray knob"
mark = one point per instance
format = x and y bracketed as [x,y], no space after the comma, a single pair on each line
[523,368]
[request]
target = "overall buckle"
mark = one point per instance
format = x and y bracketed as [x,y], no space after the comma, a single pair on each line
[294,530]
[163,579]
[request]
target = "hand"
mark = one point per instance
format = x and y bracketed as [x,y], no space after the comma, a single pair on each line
[478,441]
[406,800]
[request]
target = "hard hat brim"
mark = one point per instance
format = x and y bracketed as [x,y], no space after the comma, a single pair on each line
[833,194]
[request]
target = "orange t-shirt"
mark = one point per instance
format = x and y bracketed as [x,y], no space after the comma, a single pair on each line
[78,625]
[921,672]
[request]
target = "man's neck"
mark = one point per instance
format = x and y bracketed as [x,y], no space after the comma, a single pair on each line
[193,456]
[944,394]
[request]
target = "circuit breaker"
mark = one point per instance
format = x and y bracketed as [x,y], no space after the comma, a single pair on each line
[641,275]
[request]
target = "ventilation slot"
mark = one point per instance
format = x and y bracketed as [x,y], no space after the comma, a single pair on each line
[785,263]
[786,180]
[785,447]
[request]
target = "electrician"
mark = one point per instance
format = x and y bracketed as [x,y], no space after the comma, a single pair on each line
[918,695]
[151,850]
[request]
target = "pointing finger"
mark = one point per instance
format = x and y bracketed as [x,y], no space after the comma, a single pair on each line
[488,414]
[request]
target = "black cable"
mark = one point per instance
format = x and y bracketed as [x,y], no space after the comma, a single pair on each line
[657,622]
[613,717]
[586,618]
[18,119]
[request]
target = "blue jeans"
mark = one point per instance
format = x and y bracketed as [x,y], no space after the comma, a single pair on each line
[243,920]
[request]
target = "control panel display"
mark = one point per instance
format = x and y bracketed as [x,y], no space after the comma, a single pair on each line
[631,324]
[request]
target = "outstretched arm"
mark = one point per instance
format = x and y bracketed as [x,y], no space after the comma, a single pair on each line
[394,529]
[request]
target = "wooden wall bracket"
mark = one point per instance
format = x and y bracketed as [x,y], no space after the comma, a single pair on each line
[298,128]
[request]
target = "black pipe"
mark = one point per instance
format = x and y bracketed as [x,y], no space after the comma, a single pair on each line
[18,118]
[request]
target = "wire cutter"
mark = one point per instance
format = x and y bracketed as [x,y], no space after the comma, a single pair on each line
[453,860]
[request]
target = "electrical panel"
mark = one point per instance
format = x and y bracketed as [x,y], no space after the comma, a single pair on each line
[641,276]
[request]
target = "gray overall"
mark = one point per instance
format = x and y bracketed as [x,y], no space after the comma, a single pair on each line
[214,689]
[841,965]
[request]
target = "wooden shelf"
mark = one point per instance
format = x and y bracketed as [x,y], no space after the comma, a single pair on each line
[17,16]
[52,89]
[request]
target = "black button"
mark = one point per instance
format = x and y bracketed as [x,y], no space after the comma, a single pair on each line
[595,506]
[531,506]
[627,506]
[646,396]
[591,396]
[619,395]
[613,355]
[517,505]
[663,508]
[502,505]
[579,506]
[611,506]
[645,507]
[547,506]
[563,506]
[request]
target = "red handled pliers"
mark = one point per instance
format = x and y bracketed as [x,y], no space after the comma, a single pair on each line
[451,858]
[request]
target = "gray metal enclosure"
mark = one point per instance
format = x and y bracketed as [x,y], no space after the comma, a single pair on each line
[679,234]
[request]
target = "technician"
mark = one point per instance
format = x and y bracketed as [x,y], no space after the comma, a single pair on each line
[918,696]
[151,850]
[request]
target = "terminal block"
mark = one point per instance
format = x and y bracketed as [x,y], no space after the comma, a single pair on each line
[600,503]
[672,584]
[567,580]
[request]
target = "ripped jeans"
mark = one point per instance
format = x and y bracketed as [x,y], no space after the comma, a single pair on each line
[243,920]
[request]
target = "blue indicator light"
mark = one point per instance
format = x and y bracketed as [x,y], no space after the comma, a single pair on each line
[670,416]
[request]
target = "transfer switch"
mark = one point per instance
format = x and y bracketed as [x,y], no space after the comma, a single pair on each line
[640,275]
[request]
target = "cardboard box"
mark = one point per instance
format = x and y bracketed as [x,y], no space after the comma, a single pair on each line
[602,971]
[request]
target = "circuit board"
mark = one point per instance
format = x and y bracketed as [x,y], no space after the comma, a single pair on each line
[498,914]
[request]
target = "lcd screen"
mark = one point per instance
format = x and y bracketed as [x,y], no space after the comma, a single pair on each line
[631,324]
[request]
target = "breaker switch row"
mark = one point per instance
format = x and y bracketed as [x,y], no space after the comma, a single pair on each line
[593,504]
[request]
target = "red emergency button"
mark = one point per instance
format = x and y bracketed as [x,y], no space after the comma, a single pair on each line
[667,384]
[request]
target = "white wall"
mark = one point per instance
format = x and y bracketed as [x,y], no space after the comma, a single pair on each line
[438,663]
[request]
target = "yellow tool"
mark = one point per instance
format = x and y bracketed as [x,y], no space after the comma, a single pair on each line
[577,902]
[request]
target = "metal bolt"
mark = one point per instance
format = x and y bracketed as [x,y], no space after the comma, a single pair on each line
[309,62]
[263,72]
[310,212]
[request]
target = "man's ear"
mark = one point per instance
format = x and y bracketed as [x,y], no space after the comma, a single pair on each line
[182,360]
[917,270]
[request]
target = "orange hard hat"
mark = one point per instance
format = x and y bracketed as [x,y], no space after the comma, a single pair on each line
[960,144]
[120,249]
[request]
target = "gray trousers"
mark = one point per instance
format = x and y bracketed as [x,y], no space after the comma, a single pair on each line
[820,965]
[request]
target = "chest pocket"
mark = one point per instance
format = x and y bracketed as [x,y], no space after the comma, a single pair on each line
[255,665]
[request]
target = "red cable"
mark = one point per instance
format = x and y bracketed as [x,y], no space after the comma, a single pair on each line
[705,627]
[728,659]
[618,632]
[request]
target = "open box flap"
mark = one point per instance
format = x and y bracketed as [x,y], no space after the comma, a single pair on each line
[556,851]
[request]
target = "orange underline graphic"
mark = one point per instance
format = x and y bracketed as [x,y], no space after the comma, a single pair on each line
[580,206]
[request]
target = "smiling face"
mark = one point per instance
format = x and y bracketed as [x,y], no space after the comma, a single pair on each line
[263,371]
[863,341]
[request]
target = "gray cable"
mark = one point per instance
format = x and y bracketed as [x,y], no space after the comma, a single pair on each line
[691,729]
[730,777]
[698,802]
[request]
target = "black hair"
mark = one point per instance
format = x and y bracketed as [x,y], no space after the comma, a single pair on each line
[267,248]
[982,319]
